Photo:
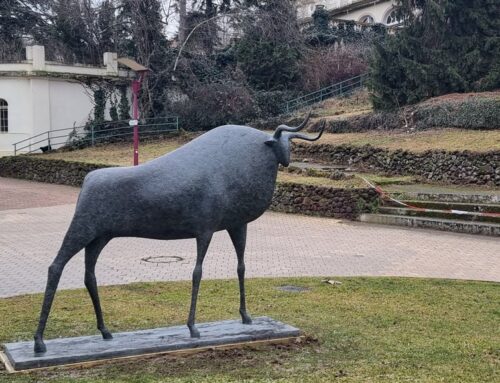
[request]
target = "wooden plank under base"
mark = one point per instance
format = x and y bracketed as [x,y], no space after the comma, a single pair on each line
[91,350]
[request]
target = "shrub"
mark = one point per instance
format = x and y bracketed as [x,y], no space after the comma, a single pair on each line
[271,103]
[472,113]
[327,66]
[212,105]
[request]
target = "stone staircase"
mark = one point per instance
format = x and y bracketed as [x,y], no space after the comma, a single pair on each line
[438,215]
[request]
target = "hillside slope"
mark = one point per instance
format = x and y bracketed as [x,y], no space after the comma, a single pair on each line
[472,111]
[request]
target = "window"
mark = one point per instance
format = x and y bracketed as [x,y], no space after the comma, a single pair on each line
[4,116]
[392,18]
[366,20]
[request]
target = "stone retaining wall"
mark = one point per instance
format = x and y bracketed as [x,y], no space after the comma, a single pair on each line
[288,197]
[323,201]
[459,167]
[42,170]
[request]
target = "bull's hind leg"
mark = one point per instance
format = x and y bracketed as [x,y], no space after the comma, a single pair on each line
[239,238]
[92,251]
[68,249]
[202,243]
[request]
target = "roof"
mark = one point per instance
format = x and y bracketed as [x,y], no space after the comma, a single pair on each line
[131,64]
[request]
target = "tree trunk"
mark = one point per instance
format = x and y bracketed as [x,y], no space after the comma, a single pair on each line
[182,21]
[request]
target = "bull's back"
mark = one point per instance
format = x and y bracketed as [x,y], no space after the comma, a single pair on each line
[213,183]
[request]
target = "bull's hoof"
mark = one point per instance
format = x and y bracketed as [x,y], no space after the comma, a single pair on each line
[245,318]
[106,335]
[40,347]
[194,332]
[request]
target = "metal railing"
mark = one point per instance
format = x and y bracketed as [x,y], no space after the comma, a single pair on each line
[91,134]
[338,89]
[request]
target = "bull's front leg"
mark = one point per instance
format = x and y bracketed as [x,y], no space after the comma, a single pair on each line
[239,238]
[202,243]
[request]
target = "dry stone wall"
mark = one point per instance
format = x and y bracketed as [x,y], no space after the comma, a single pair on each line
[42,170]
[459,167]
[324,201]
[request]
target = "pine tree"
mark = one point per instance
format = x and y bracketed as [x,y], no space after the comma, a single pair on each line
[271,45]
[445,46]
[18,19]
[146,42]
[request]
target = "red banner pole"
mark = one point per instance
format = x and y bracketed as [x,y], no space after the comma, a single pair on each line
[136,88]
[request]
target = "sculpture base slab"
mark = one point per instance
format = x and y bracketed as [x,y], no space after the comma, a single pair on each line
[66,351]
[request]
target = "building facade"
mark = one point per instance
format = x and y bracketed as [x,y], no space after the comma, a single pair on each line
[364,11]
[37,96]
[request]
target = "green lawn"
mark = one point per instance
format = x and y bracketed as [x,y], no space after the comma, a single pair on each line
[365,330]
[120,154]
[321,181]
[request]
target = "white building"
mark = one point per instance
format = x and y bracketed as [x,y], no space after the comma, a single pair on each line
[365,11]
[37,96]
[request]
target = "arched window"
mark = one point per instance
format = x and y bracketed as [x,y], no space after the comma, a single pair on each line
[4,116]
[366,19]
[392,18]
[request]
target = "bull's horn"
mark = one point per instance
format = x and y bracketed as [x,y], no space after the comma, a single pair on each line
[285,128]
[307,138]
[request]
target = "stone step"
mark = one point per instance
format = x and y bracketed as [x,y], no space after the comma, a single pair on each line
[457,226]
[483,198]
[443,205]
[436,214]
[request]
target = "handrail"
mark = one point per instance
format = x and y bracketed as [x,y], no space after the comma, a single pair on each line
[93,134]
[30,138]
[337,89]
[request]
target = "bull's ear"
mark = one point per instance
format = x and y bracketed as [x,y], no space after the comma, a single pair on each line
[271,142]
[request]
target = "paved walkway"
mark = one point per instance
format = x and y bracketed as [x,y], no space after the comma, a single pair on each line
[34,219]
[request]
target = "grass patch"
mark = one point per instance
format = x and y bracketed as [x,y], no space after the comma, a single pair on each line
[368,329]
[119,154]
[442,139]
[321,181]
[389,180]
[356,103]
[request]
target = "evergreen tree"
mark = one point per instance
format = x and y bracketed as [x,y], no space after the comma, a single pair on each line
[146,42]
[444,46]
[271,45]
[124,105]
[17,20]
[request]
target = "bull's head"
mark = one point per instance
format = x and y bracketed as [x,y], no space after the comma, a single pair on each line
[280,142]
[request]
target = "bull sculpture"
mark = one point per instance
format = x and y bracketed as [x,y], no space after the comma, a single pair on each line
[222,180]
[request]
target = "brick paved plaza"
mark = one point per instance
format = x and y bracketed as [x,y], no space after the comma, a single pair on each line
[35,216]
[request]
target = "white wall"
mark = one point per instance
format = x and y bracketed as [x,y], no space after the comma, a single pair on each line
[71,104]
[37,105]
[378,11]
[40,105]
[17,93]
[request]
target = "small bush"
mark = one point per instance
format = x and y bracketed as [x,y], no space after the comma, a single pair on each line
[271,103]
[330,65]
[471,113]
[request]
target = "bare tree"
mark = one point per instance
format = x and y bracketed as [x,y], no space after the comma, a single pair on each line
[182,21]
